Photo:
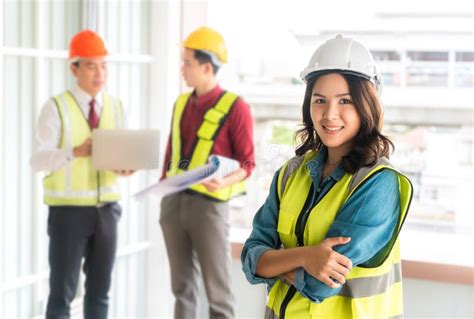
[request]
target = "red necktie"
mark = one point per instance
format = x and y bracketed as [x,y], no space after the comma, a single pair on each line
[93,118]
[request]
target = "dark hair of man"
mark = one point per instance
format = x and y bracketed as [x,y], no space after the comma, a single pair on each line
[203,57]
[369,143]
[76,64]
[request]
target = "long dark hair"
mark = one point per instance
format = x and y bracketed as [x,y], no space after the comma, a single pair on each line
[369,143]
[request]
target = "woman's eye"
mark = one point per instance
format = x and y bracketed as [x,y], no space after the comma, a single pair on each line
[346,101]
[319,101]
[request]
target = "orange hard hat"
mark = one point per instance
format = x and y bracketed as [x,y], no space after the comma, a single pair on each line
[86,44]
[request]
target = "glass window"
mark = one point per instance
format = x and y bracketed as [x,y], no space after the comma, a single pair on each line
[19,23]
[386,55]
[465,56]
[61,21]
[58,78]
[438,159]
[18,90]
[391,79]
[29,78]
[427,68]
[389,65]
[117,23]
[464,70]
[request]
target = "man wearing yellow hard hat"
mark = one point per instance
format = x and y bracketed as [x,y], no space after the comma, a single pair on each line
[83,208]
[195,222]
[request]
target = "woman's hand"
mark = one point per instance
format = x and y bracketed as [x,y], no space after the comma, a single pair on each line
[326,265]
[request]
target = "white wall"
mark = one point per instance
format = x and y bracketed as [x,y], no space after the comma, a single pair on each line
[428,299]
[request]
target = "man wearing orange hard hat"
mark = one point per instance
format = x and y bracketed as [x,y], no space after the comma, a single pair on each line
[83,208]
[195,222]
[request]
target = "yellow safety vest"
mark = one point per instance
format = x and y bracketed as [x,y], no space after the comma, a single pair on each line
[372,292]
[213,121]
[77,183]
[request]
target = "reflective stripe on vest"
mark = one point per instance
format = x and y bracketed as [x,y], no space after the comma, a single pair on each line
[77,183]
[374,292]
[270,314]
[206,135]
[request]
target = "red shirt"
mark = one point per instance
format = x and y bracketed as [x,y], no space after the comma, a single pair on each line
[234,139]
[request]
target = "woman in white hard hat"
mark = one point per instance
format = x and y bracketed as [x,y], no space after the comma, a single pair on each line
[325,241]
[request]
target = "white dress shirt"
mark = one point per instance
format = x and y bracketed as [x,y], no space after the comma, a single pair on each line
[47,155]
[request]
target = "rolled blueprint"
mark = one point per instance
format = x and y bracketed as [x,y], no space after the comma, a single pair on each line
[217,166]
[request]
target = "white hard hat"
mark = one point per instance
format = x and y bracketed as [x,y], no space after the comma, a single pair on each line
[346,56]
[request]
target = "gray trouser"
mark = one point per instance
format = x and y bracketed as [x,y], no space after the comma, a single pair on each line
[196,230]
[75,233]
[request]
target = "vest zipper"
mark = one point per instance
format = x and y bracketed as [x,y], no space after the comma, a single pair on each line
[291,292]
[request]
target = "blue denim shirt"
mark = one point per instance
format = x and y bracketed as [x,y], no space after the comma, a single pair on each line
[369,217]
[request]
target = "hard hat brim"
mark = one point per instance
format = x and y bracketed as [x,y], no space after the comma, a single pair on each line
[375,79]
[78,58]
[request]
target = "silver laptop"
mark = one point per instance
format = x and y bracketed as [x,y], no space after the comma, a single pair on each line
[125,149]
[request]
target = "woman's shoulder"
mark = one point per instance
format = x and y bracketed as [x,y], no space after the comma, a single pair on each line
[384,179]
[381,170]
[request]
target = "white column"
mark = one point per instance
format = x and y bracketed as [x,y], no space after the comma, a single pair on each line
[194,14]
[164,88]
[39,97]
[2,164]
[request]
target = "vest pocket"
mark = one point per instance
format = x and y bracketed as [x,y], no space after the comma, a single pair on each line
[285,222]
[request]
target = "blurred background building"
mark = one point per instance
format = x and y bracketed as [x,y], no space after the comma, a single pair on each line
[425,52]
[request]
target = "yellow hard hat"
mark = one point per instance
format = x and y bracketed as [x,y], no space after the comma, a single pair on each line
[207,40]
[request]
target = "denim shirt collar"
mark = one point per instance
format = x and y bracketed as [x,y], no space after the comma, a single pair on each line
[315,167]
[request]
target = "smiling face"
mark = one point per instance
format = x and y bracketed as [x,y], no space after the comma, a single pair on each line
[333,113]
